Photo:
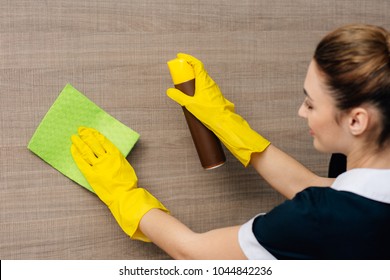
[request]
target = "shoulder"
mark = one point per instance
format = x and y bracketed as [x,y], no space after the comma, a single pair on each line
[304,208]
[310,207]
[291,229]
[319,221]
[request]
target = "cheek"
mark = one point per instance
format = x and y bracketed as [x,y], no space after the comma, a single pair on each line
[322,122]
[323,139]
[327,135]
[322,129]
[316,124]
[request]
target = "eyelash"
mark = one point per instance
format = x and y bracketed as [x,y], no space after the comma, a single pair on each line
[308,105]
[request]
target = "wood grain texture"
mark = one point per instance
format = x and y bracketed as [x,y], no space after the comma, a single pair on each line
[115,52]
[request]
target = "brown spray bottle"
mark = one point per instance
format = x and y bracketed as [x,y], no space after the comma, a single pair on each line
[207,145]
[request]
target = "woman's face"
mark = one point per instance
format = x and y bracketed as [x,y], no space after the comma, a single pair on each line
[320,112]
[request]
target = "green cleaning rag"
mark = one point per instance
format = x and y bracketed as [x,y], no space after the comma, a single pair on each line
[51,141]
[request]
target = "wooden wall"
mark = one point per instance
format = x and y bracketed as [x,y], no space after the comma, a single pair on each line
[115,52]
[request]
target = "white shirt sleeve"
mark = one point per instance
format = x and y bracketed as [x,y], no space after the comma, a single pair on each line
[249,244]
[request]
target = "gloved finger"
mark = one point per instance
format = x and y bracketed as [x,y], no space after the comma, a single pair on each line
[78,158]
[178,96]
[91,137]
[104,142]
[194,62]
[84,151]
[201,75]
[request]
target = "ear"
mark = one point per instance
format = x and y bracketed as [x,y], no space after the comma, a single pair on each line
[358,120]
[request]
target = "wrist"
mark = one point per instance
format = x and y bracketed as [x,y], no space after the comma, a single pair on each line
[239,138]
[129,208]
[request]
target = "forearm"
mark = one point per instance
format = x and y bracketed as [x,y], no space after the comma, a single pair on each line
[284,173]
[178,241]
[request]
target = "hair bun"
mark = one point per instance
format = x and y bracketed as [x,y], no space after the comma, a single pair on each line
[388,42]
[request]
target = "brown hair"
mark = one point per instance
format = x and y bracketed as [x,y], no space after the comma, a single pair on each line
[355,60]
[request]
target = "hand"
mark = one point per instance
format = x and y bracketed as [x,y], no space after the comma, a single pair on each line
[113,180]
[217,113]
[207,93]
[102,164]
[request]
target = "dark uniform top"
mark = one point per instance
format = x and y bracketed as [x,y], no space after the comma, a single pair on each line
[349,220]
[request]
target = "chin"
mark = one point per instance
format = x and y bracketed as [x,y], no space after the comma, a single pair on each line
[320,148]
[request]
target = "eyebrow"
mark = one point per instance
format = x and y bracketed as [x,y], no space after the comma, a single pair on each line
[307,95]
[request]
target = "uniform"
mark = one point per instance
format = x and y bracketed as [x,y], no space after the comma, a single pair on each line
[349,220]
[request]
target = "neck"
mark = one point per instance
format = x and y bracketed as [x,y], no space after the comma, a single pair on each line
[367,157]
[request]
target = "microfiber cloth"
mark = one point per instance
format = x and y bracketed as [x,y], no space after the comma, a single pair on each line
[51,141]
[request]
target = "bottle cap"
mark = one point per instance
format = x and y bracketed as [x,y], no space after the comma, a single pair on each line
[181,71]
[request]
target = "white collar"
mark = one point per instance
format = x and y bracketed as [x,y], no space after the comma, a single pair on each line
[370,183]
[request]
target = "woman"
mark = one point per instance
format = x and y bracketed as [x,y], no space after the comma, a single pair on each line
[347,107]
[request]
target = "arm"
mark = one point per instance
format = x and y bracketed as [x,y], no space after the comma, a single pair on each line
[113,180]
[180,242]
[284,173]
[137,211]
[208,104]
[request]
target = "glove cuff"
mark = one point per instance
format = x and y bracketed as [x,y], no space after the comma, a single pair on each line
[238,137]
[129,209]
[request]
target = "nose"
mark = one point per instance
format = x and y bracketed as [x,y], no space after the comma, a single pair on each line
[302,112]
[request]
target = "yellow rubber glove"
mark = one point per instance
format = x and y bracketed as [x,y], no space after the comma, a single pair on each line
[217,113]
[113,180]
